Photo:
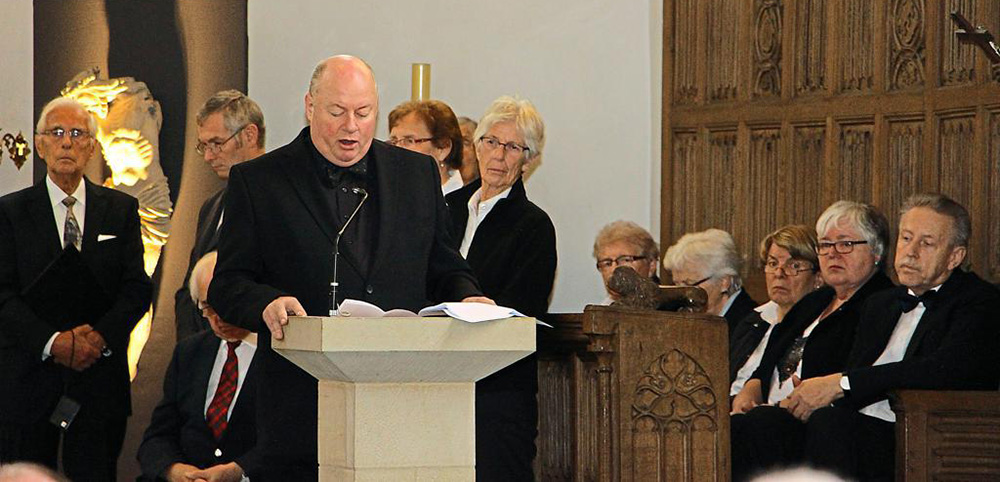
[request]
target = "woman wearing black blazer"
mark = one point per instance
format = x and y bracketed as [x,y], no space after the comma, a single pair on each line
[817,333]
[510,243]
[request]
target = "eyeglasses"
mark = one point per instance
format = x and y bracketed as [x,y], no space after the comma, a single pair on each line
[408,142]
[606,263]
[791,269]
[509,148]
[841,247]
[215,146]
[692,283]
[75,135]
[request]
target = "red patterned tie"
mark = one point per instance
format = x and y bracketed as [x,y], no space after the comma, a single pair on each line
[219,408]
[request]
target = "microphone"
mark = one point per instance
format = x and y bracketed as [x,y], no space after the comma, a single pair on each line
[334,306]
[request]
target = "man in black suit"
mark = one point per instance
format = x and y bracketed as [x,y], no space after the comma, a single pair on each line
[180,444]
[284,212]
[230,131]
[48,359]
[937,331]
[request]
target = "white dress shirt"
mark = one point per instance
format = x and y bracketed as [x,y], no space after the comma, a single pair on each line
[894,351]
[477,213]
[60,211]
[244,355]
[769,313]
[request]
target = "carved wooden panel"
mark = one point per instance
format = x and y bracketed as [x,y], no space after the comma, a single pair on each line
[723,49]
[905,160]
[714,192]
[992,263]
[906,43]
[958,62]
[856,54]
[685,166]
[555,413]
[674,413]
[810,42]
[755,187]
[853,179]
[802,177]
[767,48]
[685,51]
[956,156]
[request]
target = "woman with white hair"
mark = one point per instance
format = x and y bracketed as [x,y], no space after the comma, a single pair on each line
[709,260]
[816,335]
[624,243]
[510,243]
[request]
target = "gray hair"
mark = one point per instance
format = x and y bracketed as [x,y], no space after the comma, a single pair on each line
[204,265]
[467,122]
[630,233]
[961,224]
[27,471]
[712,250]
[798,239]
[525,117]
[867,219]
[238,111]
[59,102]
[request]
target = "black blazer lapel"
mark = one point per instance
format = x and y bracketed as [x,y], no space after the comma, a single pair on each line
[881,328]
[938,311]
[307,187]
[45,222]
[208,349]
[388,189]
[96,210]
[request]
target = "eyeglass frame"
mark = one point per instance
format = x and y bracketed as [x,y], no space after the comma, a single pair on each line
[216,147]
[619,261]
[784,268]
[75,135]
[823,248]
[406,142]
[695,284]
[508,147]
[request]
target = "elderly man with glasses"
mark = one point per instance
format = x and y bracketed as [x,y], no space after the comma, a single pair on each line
[230,131]
[72,288]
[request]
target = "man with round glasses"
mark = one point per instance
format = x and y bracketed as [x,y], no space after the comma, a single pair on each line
[230,131]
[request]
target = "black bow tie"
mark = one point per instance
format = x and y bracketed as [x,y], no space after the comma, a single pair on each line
[908,302]
[356,174]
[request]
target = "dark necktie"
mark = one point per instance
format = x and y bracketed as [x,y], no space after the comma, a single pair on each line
[908,302]
[71,230]
[788,364]
[218,410]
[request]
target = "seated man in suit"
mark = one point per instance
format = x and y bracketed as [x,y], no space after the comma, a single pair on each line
[64,341]
[230,131]
[204,428]
[936,331]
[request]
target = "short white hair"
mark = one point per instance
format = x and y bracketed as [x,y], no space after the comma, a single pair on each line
[713,251]
[59,102]
[204,266]
[871,224]
[524,116]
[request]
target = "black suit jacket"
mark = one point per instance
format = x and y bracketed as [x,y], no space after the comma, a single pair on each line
[178,432]
[278,239]
[954,347]
[744,340]
[829,343]
[742,306]
[187,315]
[29,242]
[514,256]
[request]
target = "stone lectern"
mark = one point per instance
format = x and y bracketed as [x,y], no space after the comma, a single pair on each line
[397,395]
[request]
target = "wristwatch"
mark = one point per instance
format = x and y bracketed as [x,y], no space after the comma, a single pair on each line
[845,384]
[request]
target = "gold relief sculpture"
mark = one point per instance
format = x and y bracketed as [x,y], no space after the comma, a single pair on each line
[17,148]
[129,122]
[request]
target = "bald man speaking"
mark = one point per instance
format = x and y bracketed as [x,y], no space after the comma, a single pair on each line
[276,247]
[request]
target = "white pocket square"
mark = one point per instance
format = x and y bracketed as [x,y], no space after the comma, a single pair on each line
[105,237]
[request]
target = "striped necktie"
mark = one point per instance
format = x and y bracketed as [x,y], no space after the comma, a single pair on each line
[217,415]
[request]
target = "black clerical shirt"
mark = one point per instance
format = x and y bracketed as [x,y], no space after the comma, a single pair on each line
[357,245]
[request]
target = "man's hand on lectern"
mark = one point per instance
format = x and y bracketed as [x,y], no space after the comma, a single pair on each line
[277,312]
[479,299]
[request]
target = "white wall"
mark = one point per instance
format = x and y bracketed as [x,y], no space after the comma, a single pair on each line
[16,102]
[591,67]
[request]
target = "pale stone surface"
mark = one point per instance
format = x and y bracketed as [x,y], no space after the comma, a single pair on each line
[397,395]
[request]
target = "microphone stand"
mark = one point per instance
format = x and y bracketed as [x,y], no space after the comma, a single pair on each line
[334,306]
